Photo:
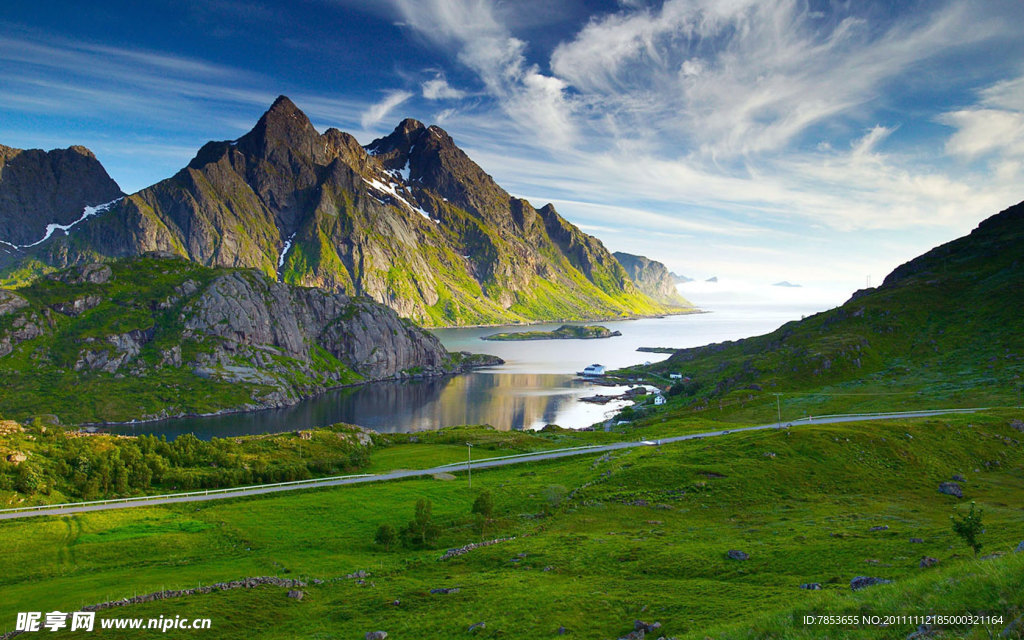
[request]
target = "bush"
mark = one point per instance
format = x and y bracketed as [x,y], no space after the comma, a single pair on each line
[421,531]
[969,527]
[386,536]
[483,505]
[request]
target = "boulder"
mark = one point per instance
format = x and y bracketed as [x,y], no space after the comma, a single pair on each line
[376,635]
[811,586]
[1020,547]
[477,626]
[736,554]
[916,541]
[928,561]
[883,527]
[646,627]
[446,591]
[861,582]
[959,478]
[951,489]
[296,594]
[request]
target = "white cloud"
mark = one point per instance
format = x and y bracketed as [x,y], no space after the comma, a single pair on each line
[994,125]
[474,30]
[439,89]
[377,112]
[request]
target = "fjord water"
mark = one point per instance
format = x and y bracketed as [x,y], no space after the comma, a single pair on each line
[535,387]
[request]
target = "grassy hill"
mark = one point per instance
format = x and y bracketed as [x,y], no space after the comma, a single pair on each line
[942,330]
[599,542]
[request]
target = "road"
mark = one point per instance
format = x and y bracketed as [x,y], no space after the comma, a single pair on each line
[477,464]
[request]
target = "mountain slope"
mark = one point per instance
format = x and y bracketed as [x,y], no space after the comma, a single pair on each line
[39,187]
[158,336]
[943,328]
[409,221]
[651,277]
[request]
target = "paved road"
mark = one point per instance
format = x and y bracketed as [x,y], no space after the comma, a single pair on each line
[481,464]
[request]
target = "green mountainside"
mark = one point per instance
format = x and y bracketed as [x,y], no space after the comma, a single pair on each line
[158,336]
[409,221]
[653,278]
[942,330]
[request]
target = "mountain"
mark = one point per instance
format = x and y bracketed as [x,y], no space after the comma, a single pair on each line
[156,336]
[652,278]
[944,326]
[38,188]
[409,221]
[678,279]
[786,283]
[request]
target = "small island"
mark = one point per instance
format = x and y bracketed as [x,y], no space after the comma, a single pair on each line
[564,332]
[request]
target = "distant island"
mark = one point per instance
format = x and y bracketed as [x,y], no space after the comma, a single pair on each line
[564,332]
[785,283]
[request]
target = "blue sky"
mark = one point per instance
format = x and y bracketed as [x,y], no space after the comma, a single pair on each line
[819,142]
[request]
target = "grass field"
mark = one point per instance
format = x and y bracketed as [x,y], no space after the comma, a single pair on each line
[600,541]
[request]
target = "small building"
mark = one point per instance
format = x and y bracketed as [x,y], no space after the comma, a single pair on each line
[593,370]
[659,399]
[675,376]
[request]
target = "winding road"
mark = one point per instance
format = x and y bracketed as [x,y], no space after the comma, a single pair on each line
[240,492]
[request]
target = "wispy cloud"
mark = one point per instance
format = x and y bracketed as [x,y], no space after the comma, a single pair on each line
[380,110]
[437,88]
[481,42]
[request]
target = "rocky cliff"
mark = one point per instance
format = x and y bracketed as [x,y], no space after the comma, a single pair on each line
[38,188]
[157,335]
[651,277]
[409,221]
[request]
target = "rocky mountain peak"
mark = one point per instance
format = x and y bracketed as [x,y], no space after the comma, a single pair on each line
[283,124]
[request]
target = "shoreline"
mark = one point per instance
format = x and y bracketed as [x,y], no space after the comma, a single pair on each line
[529,323]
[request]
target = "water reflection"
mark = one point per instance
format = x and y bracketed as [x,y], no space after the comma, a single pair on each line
[505,401]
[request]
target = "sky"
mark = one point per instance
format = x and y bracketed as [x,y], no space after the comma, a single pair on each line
[819,142]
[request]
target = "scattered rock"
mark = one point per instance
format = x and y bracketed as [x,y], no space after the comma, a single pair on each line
[959,478]
[376,635]
[811,586]
[916,541]
[445,591]
[1014,629]
[646,627]
[883,527]
[769,454]
[17,458]
[923,631]
[992,556]
[476,626]
[358,575]
[865,581]
[296,594]
[736,554]
[951,489]
[549,567]
[396,603]
[928,561]
[1020,547]
[458,551]
[562,631]
[1017,424]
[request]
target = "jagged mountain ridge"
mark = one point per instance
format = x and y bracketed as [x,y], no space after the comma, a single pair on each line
[409,221]
[39,187]
[156,336]
[653,278]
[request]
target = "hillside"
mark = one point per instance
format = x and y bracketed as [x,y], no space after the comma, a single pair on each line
[651,277]
[409,221]
[587,544]
[158,336]
[942,330]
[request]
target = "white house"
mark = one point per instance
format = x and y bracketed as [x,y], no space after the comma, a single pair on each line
[594,370]
[659,399]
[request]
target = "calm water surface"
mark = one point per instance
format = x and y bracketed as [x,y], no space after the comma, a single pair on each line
[535,387]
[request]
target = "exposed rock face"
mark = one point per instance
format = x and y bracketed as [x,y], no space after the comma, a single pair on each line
[41,187]
[651,277]
[140,317]
[409,221]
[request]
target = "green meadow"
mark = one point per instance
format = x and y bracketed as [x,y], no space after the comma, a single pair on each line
[599,540]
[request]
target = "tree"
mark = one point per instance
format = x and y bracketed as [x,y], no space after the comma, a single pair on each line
[969,527]
[386,536]
[483,505]
[421,530]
